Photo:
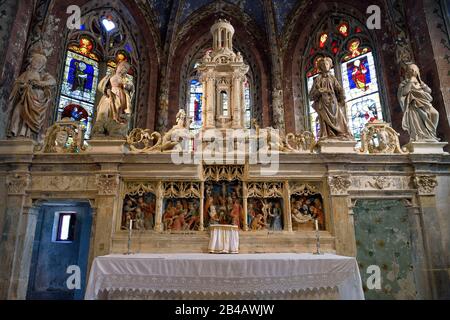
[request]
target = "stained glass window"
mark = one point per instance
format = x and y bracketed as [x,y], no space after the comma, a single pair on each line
[362,93]
[247,101]
[78,90]
[354,66]
[195,104]
[84,65]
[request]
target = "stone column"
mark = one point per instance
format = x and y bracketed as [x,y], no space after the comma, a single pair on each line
[434,251]
[17,183]
[287,207]
[236,101]
[202,207]
[421,266]
[244,204]
[159,207]
[210,101]
[343,225]
[93,205]
[23,251]
[108,194]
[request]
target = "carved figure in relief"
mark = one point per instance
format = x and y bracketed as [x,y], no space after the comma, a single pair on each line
[277,223]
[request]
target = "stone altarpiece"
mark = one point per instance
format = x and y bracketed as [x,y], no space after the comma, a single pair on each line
[118,177]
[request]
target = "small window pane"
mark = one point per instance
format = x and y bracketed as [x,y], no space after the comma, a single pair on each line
[66,227]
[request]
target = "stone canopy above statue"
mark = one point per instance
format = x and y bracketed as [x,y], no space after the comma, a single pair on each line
[222,73]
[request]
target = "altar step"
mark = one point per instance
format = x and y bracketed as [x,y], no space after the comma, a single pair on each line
[250,242]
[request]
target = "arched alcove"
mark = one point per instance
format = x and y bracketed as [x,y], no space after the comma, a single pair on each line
[194,37]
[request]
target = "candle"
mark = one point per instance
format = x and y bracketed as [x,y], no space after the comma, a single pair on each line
[131,225]
[317,225]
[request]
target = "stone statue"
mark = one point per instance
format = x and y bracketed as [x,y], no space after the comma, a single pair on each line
[329,102]
[420,118]
[172,140]
[30,98]
[114,107]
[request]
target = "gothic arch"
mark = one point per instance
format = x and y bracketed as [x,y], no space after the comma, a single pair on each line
[197,52]
[194,34]
[304,22]
[138,23]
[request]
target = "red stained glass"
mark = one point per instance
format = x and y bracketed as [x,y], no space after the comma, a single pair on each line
[335,50]
[85,48]
[358,30]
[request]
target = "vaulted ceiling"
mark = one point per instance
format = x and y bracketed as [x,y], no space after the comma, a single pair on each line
[166,11]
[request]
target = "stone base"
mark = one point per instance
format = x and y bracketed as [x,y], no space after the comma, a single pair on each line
[105,146]
[426,147]
[17,146]
[337,146]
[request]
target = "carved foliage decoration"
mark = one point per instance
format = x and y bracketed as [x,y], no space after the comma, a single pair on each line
[64,137]
[63,183]
[425,184]
[140,140]
[17,183]
[379,138]
[303,189]
[182,190]
[303,142]
[140,188]
[223,173]
[381,182]
[107,184]
[265,190]
[339,185]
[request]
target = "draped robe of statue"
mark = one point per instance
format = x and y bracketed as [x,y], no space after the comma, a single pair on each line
[420,118]
[117,91]
[30,99]
[329,102]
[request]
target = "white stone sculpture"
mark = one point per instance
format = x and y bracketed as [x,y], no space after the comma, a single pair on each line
[114,108]
[420,118]
[30,99]
[329,102]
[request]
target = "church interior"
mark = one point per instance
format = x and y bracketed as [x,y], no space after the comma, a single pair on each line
[139,131]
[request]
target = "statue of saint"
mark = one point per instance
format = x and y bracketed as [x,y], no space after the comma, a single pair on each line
[329,102]
[30,98]
[117,92]
[420,118]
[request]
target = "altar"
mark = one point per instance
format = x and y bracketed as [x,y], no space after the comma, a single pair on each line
[244,276]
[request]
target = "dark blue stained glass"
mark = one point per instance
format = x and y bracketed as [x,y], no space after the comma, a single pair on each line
[81,76]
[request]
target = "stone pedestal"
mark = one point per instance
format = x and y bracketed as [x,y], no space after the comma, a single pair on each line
[17,146]
[426,147]
[337,146]
[105,146]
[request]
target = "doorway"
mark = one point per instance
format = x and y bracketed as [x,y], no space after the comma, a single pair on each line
[60,252]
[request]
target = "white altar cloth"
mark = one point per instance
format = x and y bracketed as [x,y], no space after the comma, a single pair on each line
[224,239]
[225,274]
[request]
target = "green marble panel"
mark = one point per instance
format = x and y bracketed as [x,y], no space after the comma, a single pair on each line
[383,238]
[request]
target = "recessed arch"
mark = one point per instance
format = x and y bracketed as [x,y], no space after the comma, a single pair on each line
[193,36]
